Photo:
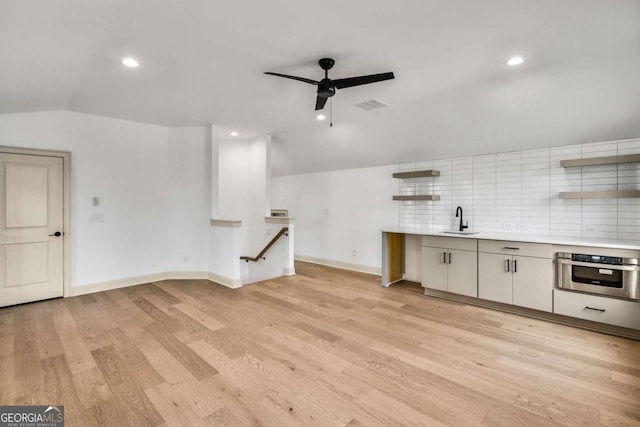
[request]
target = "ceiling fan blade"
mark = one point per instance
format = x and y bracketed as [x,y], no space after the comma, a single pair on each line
[362,80]
[320,101]
[301,79]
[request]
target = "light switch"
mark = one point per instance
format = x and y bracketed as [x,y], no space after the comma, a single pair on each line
[95,201]
[99,217]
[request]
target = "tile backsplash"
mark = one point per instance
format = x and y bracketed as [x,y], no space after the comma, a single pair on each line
[518,193]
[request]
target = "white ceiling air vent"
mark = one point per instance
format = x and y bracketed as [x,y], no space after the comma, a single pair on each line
[373,104]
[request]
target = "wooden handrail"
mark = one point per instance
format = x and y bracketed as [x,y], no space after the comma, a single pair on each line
[284,230]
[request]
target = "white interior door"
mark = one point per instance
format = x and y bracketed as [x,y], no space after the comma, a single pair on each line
[31,213]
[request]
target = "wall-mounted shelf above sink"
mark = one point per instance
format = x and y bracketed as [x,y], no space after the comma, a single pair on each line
[596,161]
[624,194]
[418,197]
[417,174]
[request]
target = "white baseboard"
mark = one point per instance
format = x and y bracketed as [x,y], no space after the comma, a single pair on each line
[187,275]
[289,271]
[116,284]
[156,277]
[339,264]
[225,281]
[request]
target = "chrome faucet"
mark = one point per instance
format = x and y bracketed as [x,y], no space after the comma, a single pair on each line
[459,212]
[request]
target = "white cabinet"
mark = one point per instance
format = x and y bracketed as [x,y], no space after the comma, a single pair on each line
[495,281]
[598,309]
[533,283]
[463,272]
[450,264]
[522,280]
[434,268]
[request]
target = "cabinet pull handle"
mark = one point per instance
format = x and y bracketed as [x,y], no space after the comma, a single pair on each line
[511,248]
[507,267]
[444,257]
[601,310]
[449,257]
[515,266]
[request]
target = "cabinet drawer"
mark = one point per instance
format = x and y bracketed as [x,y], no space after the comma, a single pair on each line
[461,243]
[616,312]
[538,250]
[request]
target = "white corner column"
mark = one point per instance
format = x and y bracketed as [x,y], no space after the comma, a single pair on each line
[275,224]
[225,246]
[215,167]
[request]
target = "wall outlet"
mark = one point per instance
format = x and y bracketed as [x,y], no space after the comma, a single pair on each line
[508,226]
[268,232]
[99,217]
[95,201]
[590,229]
[353,253]
[185,259]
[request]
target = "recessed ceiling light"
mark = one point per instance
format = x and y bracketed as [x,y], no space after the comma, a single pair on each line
[130,62]
[234,133]
[515,60]
[321,117]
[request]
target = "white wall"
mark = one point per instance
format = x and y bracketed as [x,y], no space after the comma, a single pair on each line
[125,164]
[189,198]
[339,212]
[152,183]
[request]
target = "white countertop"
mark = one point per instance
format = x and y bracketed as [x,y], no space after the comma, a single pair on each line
[533,238]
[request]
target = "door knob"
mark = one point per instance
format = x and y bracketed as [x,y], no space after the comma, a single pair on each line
[56,234]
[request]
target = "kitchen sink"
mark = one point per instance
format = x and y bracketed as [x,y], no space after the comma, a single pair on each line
[462,233]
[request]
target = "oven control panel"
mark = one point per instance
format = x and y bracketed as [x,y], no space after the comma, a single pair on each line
[598,259]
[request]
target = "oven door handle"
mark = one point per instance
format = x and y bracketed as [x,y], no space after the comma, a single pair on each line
[604,266]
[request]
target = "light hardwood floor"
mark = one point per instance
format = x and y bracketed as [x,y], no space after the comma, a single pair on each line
[326,347]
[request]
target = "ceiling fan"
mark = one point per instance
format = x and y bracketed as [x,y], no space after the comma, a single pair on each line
[327,87]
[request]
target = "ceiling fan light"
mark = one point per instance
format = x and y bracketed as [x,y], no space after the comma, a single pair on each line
[321,117]
[515,60]
[130,62]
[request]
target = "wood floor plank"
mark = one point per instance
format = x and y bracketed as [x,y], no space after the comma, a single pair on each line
[200,317]
[76,351]
[198,367]
[126,392]
[6,325]
[91,387]
[172,406]
[60,390]
[111,413]
[325,347]
[137,363]
[222,418]
[61,316]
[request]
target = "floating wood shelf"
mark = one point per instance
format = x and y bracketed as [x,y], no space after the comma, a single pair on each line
[625,194]
[594,161]
[416,174]
[420,197]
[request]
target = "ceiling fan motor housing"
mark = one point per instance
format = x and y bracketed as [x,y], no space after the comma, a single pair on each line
[326,88]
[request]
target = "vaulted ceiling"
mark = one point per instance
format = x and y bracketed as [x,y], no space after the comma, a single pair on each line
[202,62]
